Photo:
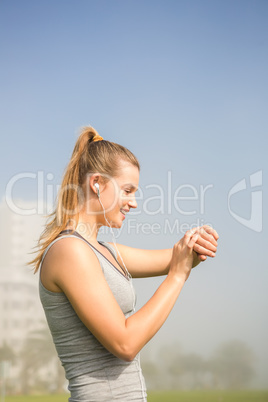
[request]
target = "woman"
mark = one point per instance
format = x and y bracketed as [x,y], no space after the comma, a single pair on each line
[86,286]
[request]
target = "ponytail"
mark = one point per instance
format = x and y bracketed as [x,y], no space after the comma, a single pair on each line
[91,154]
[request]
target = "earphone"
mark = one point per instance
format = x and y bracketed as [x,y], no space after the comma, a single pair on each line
[96,185]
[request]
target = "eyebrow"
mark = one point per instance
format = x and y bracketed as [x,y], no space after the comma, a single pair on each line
[132,186]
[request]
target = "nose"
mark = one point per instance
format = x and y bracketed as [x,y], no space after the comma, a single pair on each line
[133,203]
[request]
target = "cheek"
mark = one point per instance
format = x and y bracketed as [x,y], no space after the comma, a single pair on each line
[123,199]
[113,200]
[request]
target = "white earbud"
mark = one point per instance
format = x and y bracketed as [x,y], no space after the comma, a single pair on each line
[96,185]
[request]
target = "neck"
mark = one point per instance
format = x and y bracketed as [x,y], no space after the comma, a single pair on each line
[87,229]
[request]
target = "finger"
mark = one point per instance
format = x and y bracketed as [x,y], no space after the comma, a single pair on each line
[192,231]
[211,231]
[208,237]
[207,232]
[203,251]
[206,243]
[202,257]
[192,240]
[188,235]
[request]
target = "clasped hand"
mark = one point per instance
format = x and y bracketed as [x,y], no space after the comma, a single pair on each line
[206,243]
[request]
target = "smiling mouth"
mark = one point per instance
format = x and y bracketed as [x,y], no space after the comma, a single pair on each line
[123,212]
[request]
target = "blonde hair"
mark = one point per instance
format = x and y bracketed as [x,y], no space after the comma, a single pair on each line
[91,154]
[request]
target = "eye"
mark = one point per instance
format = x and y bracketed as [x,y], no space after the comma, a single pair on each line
[127,191]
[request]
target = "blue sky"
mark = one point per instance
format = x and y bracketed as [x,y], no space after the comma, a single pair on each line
[183,84]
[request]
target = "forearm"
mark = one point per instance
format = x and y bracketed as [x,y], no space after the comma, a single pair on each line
[144,324]
[149,263]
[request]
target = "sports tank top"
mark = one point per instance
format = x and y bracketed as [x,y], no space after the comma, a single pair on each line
[93,373]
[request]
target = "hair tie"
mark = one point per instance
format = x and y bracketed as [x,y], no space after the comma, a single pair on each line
[97,138]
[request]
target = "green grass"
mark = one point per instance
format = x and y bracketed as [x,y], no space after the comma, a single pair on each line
[175,396]
[38,398]
[209,396]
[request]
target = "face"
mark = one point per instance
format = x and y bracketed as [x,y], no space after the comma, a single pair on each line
[118,195]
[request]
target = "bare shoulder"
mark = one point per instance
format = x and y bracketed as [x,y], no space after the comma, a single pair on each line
[73,268]
[65,256]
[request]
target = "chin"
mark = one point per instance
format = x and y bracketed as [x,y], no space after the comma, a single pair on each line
[116,225]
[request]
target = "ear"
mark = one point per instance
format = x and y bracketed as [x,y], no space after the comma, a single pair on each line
[92,180]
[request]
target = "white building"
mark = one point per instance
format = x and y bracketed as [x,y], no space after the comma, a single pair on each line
[20,308]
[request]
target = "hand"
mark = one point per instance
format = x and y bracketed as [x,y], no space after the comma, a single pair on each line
[183,255]
[206,244]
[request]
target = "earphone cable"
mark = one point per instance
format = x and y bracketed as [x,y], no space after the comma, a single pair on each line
[114,241]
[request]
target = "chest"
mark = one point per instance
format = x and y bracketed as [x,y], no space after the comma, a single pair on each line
[109,257]
[121,287]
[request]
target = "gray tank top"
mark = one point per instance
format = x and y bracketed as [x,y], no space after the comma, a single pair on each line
[94,374]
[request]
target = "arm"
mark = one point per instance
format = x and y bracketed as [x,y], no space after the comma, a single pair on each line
[145,263]
[78,274]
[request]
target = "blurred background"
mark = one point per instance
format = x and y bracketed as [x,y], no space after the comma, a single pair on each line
[183,85]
